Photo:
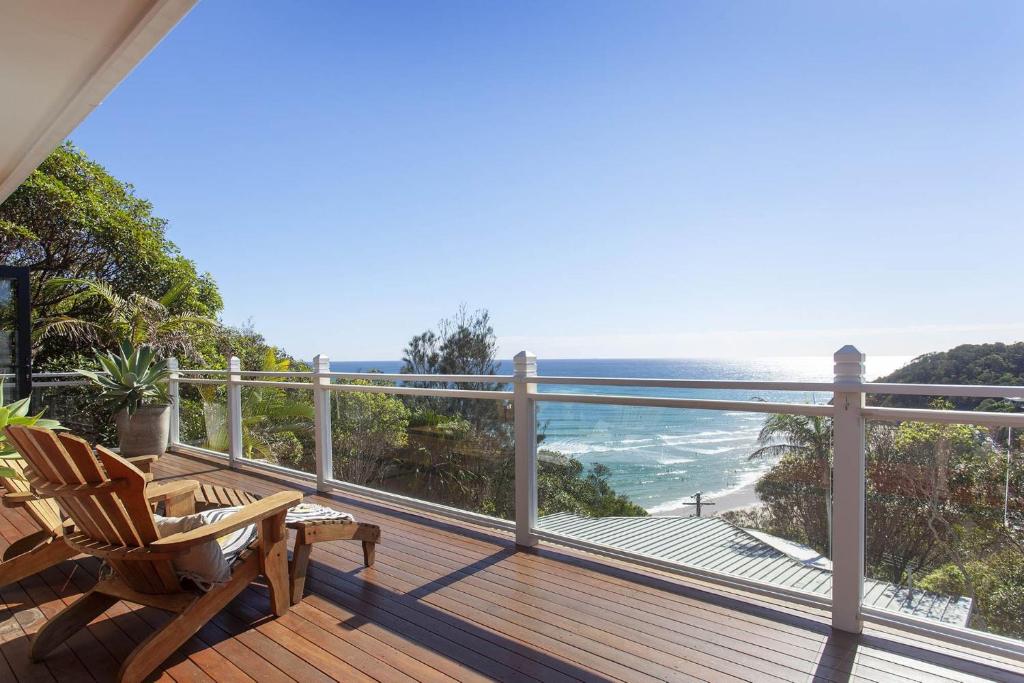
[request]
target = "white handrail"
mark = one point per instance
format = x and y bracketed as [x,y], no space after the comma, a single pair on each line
[200,380]
[275,385]
[966,417]
[275,373]
[686,383]
[419,391]
[966,390]
[455,379]
[692,403]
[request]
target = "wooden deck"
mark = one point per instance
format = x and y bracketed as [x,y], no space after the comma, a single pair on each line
[447,601]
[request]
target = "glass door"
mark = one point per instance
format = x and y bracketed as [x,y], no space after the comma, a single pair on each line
[15,340]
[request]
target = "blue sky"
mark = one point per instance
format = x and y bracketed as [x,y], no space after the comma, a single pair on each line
[609,179]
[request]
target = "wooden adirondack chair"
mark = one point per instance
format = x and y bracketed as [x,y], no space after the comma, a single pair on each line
[40,549]
[114,521]
[44,547]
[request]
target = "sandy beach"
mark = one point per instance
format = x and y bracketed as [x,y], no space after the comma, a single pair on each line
[743,498]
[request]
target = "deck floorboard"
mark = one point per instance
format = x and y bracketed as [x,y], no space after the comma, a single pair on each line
[448,601]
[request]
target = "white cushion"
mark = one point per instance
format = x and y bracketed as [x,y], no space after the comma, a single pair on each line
[206,564]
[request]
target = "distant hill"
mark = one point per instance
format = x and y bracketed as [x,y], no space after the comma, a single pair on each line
[1001,364]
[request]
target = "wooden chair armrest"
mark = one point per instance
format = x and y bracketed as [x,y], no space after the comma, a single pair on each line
[246,515]
[143,462]
[166,490]
[17,499]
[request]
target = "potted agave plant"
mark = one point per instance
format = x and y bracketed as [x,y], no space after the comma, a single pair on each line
[134,387]
[16,414]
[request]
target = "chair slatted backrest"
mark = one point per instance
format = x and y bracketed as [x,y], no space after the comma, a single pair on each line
[117,515]
[43,512]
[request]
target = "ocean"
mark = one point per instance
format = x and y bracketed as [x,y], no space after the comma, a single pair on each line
[660,457]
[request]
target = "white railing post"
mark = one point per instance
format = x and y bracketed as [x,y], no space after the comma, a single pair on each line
[848,491]
[234,410]
[322,422]
[173,392]
[525,416]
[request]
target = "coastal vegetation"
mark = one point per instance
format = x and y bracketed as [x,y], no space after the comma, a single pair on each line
[991,364]
[942,512]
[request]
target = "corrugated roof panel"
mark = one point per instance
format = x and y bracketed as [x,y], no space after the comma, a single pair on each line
[713,544]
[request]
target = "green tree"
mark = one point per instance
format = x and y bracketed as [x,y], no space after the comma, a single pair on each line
[464,344]
[803,477]
[367,430]
[72,220]
[136,318]
[998,364]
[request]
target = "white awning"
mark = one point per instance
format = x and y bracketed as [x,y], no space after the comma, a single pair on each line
[58,60]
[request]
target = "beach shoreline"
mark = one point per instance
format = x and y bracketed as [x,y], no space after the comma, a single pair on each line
[742,498]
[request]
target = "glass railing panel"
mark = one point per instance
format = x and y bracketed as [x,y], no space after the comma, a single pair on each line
[203,416]
[944,525]
[451,451]
[78,410]
[628,477]
[277,427]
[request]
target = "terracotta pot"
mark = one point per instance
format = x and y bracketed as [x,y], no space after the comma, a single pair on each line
[144,433]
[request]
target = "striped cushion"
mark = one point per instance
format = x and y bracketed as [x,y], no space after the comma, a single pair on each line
[207,564]
[310,512]
[232,544]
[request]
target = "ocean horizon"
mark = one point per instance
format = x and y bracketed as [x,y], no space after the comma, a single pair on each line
[661,457]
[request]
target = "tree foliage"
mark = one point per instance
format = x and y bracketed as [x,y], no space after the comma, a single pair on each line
[934,501]
[464,344]
[991,364]
[72,220]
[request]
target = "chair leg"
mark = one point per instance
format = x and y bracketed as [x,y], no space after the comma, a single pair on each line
[161,644]
[297,569]
[369,553]
[273,552]
[71,619]
[34,560]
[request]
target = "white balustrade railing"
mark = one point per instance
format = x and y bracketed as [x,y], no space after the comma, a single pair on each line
[847,408]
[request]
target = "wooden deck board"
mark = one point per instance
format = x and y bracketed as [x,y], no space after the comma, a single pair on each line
[447,602]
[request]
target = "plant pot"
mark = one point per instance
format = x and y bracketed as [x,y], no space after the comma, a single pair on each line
[144,433]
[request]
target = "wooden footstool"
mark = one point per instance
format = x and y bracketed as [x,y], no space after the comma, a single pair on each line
[307,532]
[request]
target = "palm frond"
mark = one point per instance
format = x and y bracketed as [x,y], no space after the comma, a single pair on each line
[775,451]
[73,329]
[174,293]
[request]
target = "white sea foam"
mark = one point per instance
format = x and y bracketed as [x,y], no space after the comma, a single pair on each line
[578,448]
[746,479]
[665,474]
[711,451]
[709,437]
[674,461]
